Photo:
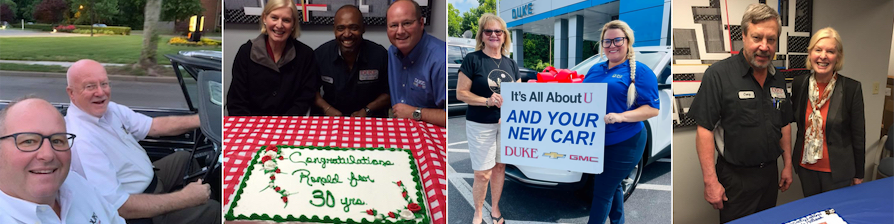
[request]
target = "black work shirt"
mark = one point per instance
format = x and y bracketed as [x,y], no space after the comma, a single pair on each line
[486,74]
[746,118]
[351,90]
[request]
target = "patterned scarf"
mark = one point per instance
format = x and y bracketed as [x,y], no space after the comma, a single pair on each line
[813,140]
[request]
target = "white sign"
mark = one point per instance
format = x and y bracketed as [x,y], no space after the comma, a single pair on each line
[553,125]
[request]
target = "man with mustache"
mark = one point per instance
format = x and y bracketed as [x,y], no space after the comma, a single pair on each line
[354,71]
[110,156]
[36,186]
[416,66]
[743,112]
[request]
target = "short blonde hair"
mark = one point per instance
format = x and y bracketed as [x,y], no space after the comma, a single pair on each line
[482,23]
[276,4]
[827,32]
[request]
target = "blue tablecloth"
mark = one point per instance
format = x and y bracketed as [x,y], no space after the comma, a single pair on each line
[870,202]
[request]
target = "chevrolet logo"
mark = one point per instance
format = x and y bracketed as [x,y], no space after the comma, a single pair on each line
[554,155]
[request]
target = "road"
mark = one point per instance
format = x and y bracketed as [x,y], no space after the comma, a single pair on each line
[130,93]
[650,202]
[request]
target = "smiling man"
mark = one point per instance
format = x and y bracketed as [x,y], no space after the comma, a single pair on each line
[353,70]
[35,186]
[111,157]
[416,66]
[743,113]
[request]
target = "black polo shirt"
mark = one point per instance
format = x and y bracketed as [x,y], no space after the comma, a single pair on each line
[746,118]
[351,90]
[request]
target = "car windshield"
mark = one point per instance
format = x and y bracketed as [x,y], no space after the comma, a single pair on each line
[649,58]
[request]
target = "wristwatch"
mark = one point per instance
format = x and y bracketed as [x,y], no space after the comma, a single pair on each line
[366,109]
[417,114]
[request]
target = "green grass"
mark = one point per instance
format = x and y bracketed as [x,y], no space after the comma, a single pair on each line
[32,68]
[106,49]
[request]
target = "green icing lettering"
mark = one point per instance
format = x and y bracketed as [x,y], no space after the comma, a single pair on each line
[354,180]
[351,201]
[325,199]
[310,180]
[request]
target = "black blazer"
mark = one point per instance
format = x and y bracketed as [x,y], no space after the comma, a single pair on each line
[844,134]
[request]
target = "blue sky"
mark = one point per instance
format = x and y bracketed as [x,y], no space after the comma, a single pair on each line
[463,5]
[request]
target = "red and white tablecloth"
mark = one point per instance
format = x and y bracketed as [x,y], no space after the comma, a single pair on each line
[245,135]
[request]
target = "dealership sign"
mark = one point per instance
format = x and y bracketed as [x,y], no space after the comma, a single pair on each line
[522,11]
[553,125]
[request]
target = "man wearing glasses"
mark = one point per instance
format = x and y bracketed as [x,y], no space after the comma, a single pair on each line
[35,186]
[353,70]
[416,66]
[111,157]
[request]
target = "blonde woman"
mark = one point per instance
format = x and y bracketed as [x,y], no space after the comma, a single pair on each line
[632,98]
[479,81]
[274,74]
[829,150]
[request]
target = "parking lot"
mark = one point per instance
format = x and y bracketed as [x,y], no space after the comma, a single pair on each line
[650,202]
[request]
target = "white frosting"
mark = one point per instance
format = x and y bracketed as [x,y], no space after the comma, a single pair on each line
[383,194]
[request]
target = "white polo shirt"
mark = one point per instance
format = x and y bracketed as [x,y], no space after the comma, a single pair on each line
[107,151]
[78,200]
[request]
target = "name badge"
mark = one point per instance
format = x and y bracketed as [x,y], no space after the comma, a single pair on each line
[746,95]
[327,79]
[367,75]
[777,92]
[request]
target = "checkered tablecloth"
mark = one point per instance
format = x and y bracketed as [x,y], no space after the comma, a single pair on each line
[245,135]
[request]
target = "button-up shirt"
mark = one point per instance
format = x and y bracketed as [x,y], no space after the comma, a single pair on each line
[745,117]
[77,199]
[349,90]
[419,78]
[108,151]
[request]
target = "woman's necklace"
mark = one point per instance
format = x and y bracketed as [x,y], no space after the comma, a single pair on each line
[495,61]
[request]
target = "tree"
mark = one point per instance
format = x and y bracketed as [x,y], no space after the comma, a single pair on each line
[176,10]
[7,10]
[50,11]
[453,21]
[25,9]
[148,60]
[470,18]
[104,10]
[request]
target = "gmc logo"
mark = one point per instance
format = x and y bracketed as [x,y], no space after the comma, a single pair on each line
[584,158]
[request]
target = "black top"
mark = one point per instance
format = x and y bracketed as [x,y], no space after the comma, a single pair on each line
[486,74]
[351,90]
[845,132]
[263,87]
[746,118]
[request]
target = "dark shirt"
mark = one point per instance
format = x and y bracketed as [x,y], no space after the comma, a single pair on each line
[351,90]
[746,118]
[262,87]
[486,74]
[618,81]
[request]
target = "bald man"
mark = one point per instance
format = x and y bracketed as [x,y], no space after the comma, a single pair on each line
[416,66]
[111,157]
[36,187]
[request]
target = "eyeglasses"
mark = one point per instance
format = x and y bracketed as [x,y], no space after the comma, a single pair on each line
[616,41]
[30,141]
[489,32]
[93,86]
[352,28]
[394,26]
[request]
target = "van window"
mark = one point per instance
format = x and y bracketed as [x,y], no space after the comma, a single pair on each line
[454,55]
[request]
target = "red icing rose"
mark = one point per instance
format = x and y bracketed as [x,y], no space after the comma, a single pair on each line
[271,148]
[405,194]
[285,199]
[370,212]
[272,177]
[280,158]
[276,189]
[391,214]
[413,207]
[399,183]
[277,171]
[265,159]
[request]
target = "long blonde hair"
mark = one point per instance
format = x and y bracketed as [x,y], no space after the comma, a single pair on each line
[482,22]
[631,54]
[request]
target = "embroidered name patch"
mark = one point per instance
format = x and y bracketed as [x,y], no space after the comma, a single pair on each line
[367,75]
[327,79]
[746,95]
[419,83]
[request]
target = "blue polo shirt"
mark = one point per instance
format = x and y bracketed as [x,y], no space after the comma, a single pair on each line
[419,78]
[618,80]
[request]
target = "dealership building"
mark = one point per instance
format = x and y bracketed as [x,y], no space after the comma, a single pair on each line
[570,22]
